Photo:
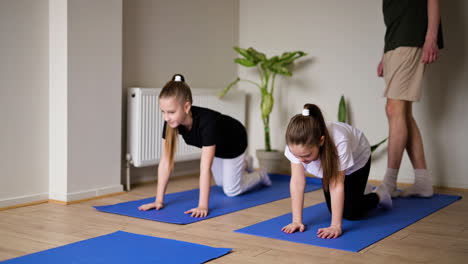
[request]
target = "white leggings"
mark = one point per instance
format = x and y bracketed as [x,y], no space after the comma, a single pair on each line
[232,175]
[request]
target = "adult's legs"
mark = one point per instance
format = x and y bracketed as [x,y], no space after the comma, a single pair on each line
[396,111]
[423,181]
[414,144]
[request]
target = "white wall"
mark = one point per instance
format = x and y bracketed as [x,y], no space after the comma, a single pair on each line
[58,98]
[23,101]
[194,38]
[61,83]
[94,97]
[344,40]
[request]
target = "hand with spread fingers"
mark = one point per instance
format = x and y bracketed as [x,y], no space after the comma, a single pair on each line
[197,212]
[329,232]
[293,227]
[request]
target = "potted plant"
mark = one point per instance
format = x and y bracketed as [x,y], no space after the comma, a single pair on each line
[268,69]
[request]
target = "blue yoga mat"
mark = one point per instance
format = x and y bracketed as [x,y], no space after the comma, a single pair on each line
[123,247]
[177,203]
[357,235]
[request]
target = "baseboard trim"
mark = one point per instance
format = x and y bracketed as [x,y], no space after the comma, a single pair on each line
[20,201]
[87,194]
[84,200]
[63,199]
[22,205]
[59,202]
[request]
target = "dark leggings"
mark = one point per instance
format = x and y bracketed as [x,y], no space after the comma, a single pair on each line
[356,204]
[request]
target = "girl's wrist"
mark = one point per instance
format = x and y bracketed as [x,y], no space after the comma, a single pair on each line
[336,226]
[297,220]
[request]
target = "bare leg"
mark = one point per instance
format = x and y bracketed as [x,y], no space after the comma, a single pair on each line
[423,181]
[398,131]
[414,145]
[397,140]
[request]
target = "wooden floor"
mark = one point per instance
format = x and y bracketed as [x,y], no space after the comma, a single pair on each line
[439,238]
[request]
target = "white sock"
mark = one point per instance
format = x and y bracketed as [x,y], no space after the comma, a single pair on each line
[385,200]
[422,185]
[253,179]
[265,179]
[390,180]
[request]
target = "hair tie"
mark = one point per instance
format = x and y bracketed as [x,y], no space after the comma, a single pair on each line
[177,78]
[305,112]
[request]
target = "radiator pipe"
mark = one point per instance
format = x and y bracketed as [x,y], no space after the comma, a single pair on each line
[128,164]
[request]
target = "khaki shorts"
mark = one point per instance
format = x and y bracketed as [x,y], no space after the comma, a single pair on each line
[403,73]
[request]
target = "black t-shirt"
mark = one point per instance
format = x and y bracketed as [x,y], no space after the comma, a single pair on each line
[213,128]
[406,22]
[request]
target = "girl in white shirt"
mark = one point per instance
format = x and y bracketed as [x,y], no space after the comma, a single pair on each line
[340,155]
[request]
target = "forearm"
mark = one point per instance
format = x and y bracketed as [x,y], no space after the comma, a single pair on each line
[297,187]
[433,16]
[164,172]
[205,177]
[337,204]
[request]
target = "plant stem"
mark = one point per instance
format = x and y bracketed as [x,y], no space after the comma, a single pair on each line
[273,83]
[266,125]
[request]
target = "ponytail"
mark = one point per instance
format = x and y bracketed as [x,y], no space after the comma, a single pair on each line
[177,88]
[170,146]
[306,129]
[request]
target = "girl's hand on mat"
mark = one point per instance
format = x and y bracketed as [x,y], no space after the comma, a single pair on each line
[159,205]
[293,227]
[329,232]
[197,212]
[149,206]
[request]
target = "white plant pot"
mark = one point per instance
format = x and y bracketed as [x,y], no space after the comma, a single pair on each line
[273,161]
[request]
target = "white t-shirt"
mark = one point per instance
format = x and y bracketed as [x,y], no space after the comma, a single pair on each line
[351,144]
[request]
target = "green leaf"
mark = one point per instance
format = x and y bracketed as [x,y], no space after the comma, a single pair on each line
[225,90]
[286,55]
[245,62]
[374,147]
[342,112]
[280,65]
[280,69]
[244,53]
[256,55]
[289,57]
[266,66]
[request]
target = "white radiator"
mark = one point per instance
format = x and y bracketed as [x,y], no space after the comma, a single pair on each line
[145,123]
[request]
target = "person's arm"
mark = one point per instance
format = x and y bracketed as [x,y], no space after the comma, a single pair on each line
[207,157]
[164,171]
[297,186]
[430,52]
[337,205]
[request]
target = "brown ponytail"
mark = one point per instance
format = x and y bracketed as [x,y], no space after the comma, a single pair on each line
[307,131]
[177,88]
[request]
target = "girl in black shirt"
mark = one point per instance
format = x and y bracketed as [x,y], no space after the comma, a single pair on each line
[223,141]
